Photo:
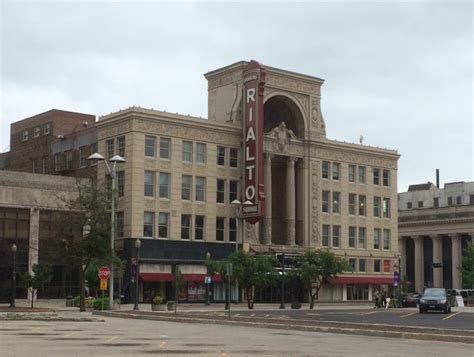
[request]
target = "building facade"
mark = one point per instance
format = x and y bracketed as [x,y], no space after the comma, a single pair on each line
[435,226]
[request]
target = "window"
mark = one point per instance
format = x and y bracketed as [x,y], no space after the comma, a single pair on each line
[362,240]
[386,177]
[377,237]
[220,229]
[199,228]
[352,263]
[377,266]
[352,173]
[386,266]
[201,153]
[436,201]
[352,203]
[362,205]
[119,222]
[420,204]
[121,146]
[46,129]
[377,204]
[220,197]
[326,201]
[361,265]
[164,185]
[69,159]
[45,162]
[148,219]
[376,174]
[386,208]
[409,205]
[93,148]
[450,201]
[386,239]
[25,135]
[362,174]
[120,183]
[458,200]
[187,153]
[200,188]
[336,200]
[325,169]
[326,229]
[352,236]
[150,146]
[232,230]
[221,156]
[83,154]
[186,187]
[234,157]
[57,164]
[336,234]
[165,148]
[336,170]
[163,225]
[185,226]
[471,200]
[36,132]
[109,145]
[149,182]
[233,190]
[108,183]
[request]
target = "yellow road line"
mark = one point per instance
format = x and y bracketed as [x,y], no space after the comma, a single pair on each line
[448,317]
[71,334]
[410,314]
[113,338]
[162,344]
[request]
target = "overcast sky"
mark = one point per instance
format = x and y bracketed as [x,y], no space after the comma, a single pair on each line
[398,73]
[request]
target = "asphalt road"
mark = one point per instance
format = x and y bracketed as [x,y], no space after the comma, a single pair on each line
[128,337]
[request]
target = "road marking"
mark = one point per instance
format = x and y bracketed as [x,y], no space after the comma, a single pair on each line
[252,315]
[162,344]
[313,314]
[37,329]
[267,315]
[369,313]
[71,334]
[410,314]
[237,315]
[113,338]
[448,317]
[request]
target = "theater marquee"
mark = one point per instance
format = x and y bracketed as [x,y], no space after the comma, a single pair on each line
[254,81]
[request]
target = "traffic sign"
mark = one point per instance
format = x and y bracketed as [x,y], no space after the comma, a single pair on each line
[103,284]
[396,277]
[104,273]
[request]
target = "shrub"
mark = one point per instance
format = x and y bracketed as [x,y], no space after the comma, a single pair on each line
[88,301]
[158,300]
[97,303]
[76,301]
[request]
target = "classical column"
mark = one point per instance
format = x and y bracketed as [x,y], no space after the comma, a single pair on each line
[33,245]
[403,256]
[419,266]
[290,201]
[300,192]
[267,233]
[456,254]
[437,259]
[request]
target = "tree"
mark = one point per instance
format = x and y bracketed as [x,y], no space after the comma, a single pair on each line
[317,267]
[467,266]
[220,267]
[37,280]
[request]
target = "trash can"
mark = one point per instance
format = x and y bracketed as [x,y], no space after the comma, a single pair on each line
[170,305]
[69,301]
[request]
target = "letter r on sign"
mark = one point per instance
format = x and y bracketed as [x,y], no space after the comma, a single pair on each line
[251,94]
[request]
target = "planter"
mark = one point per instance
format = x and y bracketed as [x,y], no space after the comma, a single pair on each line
[160,307]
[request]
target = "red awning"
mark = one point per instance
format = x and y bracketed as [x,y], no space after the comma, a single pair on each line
[362,280]
[156,277]
[198,278]
[216,278]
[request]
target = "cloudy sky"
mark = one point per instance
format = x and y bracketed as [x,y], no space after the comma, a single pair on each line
[398,73]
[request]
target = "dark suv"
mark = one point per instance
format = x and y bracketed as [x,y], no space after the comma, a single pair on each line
[434,299]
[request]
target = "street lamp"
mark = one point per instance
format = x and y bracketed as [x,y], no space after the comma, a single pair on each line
[95,157]
[282,303]
[208,278]
[137,251]
[12,301]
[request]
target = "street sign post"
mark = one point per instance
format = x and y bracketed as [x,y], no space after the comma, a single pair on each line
[104,273]
[103,284]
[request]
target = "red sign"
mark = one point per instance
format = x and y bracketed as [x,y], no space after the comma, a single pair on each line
[254,81]
[104,273]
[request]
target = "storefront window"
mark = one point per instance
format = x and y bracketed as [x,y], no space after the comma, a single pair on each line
[358,292]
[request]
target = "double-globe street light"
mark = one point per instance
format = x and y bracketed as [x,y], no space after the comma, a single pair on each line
[208,277]
[12,301]
[138,244]
[95,157]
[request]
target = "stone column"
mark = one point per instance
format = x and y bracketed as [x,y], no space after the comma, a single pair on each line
[437,258]
[456,254]
[300,192]
[290,201]
[403,256]
[419,264]
[267,233]
[33,245]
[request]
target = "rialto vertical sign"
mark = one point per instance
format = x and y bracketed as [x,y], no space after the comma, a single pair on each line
[254,81]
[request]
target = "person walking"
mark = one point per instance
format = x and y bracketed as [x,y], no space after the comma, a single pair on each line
[377,298]
[383,297]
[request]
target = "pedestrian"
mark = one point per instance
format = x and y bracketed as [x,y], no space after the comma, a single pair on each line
[383,297]
[377,298]
[387,302]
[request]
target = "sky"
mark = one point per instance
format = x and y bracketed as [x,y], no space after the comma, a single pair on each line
[399,73]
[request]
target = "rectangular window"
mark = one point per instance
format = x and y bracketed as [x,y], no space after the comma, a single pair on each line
[377,265]
[187,154]
[150,146]
[336,201]
[325,170]
[377,204]
[69,159]
[409,205]
[377,237]
[326,229]
[352,173]
[36,132]
[120,183]
[420,204]
[57,164]
[325,201]
[471,200]
[386,208]
[186,182]
[199,228]
[25,135]
[163,225]
[149,182]
[234,157]
[361,265]
[352,263]
[200,153]
[165,148]
[336,235]
[220,194]
[164,185]
[336,170]
[376,174]
[119,222]
[93,148]
[450,201]
[352,203]
[386,239]
[436,201]
[352,236]
[233,190]
[108,183]
[221,156]
[458,200]
[83,154]
[232,230]
[200,188]
[362,205]
[362,174]
[386,266]
[148,220]
[220,229]
[121,146]
[109,145]
[46,129]
[185,226]
[386,177]
[361,243]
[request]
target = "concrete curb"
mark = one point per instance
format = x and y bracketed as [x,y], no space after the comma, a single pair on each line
[41,316]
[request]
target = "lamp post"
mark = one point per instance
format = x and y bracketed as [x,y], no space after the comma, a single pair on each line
[282,303]
[137,251]
[12,301]
[208,278]
[112,172]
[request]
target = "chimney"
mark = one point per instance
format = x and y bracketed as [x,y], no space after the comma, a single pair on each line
[437,178]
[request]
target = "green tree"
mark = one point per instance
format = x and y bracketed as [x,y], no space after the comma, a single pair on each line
[317,267]
[36,280]
[220,267]
[467,266]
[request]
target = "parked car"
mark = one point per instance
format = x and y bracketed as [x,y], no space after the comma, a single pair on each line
[434,299]
[410,300]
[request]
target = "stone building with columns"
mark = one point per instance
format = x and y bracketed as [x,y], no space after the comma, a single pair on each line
[435,225]
[182,172]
